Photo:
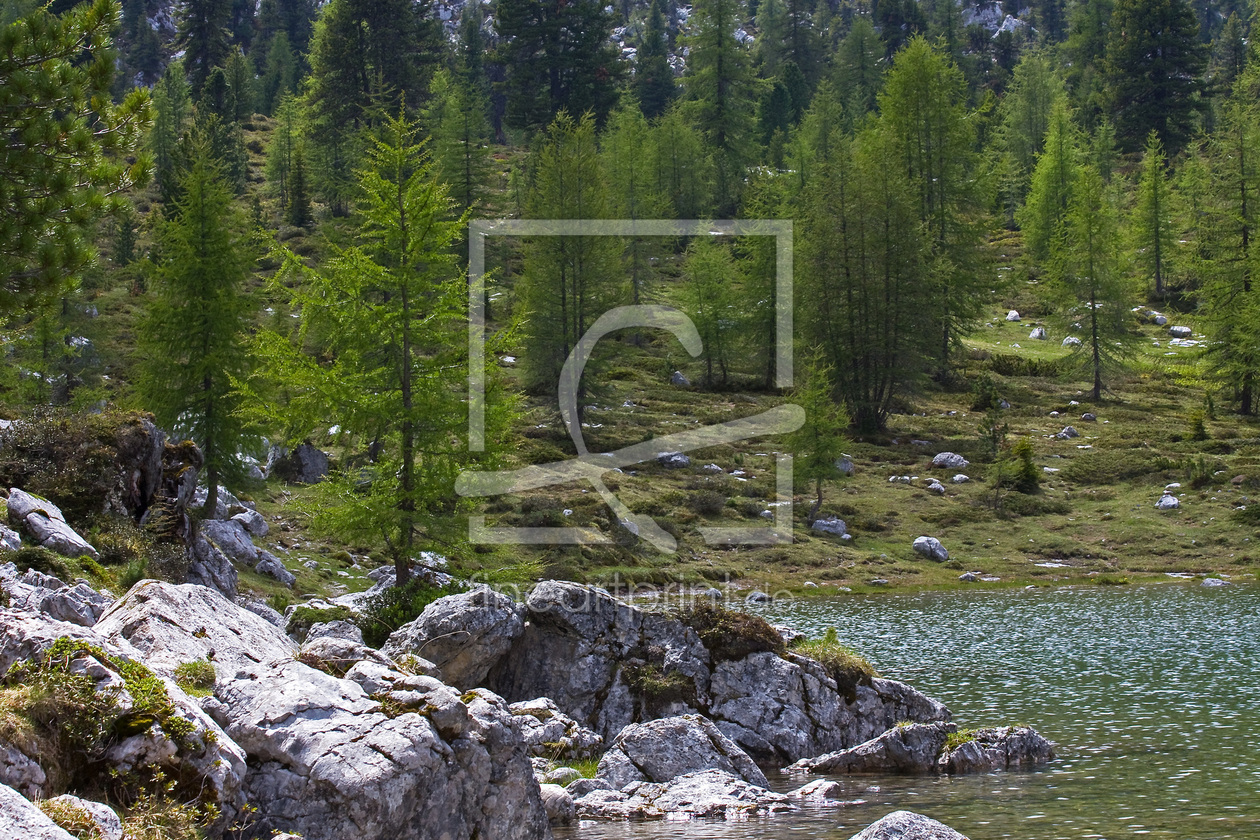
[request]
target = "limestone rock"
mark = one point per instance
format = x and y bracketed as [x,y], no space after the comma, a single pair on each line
[549,732]
[170,624]
[949,461]
[1168,502]
[232,539]
[108,825]
[47,525]
[679,380]
[270,565]
[1180,332]
[210,567]
[558,804]
[337,656]
[19,818]
[21,772]
[844,465]
[673,460]
[1212,582]
[561,776]
[1012,315]
[660,750]
[819,790]
[1071,341]
[10,540]
[907,825]
[1038,334]
[1068,433]
[931,548]
[831,525]
[935,487]
[912,748]
[464,635]
[327,763]
[304,465]
[998,748]
[253,522]
[335,630]
[708,794]
[961,479]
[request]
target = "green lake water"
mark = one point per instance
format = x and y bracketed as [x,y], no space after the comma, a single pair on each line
[1151,694]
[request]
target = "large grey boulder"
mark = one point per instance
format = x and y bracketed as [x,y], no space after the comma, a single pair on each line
[270,565]
[231,537]
[707,794]
[38,592]
[10,540]
[253,522]
[907,825]
[931,548]
[910,748]
[328,762]
[210,567]
[21,772]
[660,750]
[1168,502]
[558,804]
[47,525]
[337,656]
[1180,332]
[581,648]
[576,644]
[998,748]
[549,732]
[831,525]
[303,465]
[464,635]
[21,820]
[26,635]
[170,624]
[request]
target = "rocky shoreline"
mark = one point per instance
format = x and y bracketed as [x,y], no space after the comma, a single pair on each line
[329,738]
[485,717]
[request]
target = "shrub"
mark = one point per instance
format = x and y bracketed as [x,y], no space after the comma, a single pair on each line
[707,502]
[1198,428]
[42,560]
[1006,365]
[1023,474]
[730,635]
[984,393]
[386,611]
[304,618]
[843,664]
[73,819]
[954,740]
[196,677]
[657,686]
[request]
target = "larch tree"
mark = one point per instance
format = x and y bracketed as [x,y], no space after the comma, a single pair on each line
[923,107]
[567,281]
[460,138]
[1096,291]
[1153,234]
[711,299]
[193,338]
[1053,179]
[653,77]
[386,317]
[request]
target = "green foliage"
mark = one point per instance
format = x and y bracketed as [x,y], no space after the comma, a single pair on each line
[956,739]
[193,333]
[843,664]
[1154,68]
[196,678]
[304,618]
[1153,233]
[984,393]
[707,502]
[386,317]
[653,77]
[657,686]
[1023,473]
[731,635]
[1198,428]
[66,149]
[720,91]
[713,280]
[1110,467]
[73,819]
[459,134]
[821,441]
[390,609]
[203,35]
[42,560]
[1052,183]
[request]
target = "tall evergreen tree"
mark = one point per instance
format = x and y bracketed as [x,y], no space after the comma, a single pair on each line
[172,111]
[280,77]
[857,68]
[627,151]
[1152,219]
[863,274]
[923,107]
[653,77]
[712,281]
[204,37]
[284,140]
[567,281]
[1084,58]
[298,212]
[1088,267]
[1154,70]
[684,165]
[1050,191]
[193,340]
[387,316]
[1024,114]
[558,57]
[721,92]
[460,137]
